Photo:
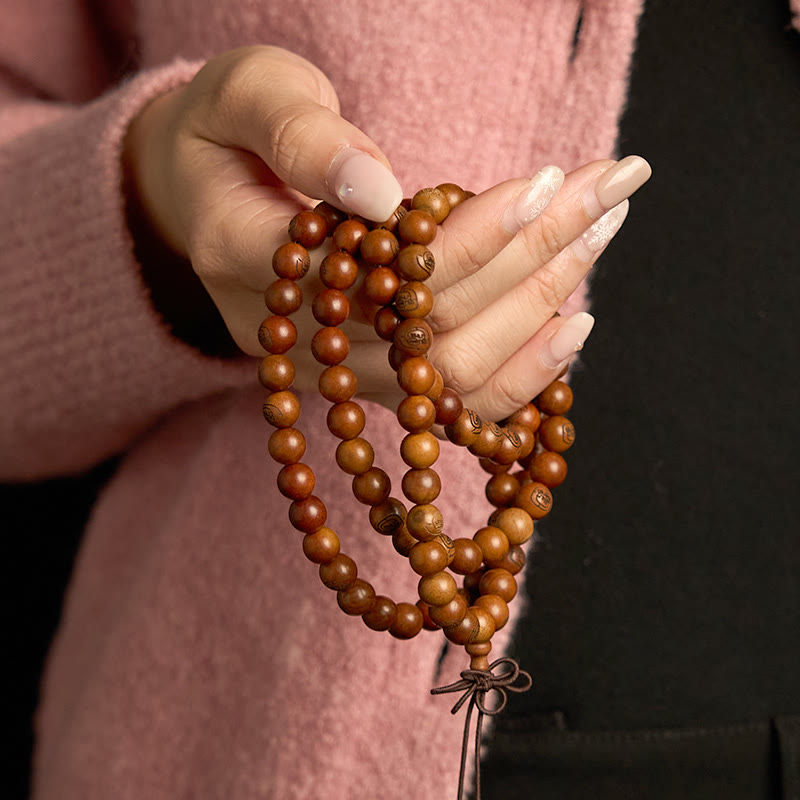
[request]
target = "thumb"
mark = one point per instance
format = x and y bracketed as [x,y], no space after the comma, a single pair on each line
[282,108]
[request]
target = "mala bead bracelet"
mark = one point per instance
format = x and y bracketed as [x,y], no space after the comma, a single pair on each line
[522,455]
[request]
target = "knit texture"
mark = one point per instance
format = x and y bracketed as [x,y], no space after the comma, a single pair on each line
[198,654]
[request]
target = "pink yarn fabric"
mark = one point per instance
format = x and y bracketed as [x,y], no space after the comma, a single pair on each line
[198,655]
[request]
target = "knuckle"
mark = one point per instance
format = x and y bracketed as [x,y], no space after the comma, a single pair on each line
[463,368]
[549,289]
[506,394]
[548,240]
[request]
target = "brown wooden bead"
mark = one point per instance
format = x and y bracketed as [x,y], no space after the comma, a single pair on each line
[468,556]
[379,247]
[492,467]
[501,490]
[277,334]
[276,372]
[388,517]
[386,322]
[421,486]
[291,260]
[515,523]
[486,625]
[308,515]
[416,413]
[357,598]
[434,202]
[322,546]
[465,430]
[393,221]
[424,522]
[281,409]
[413,336]
[455,194]
[414,300]
[419,450]
[338,270]
[450,613]
[556,399]
[331,307]
[348,235]
[492,541]
[513,561]
[528,416]
[337,384]
[355,456]
[417,227]
[339,573]
[373,487]
[479,655]
[296,481]
[496,606]
[435,392]
[472,582]
[535,499]
[397,357]
[403,541]
[331,215]
[416,376]
[346,420]
[283,297]
[330,346]
[381,285]
[488,441]
[517,442]
[437,589]
[500,582]
[465,631]
[448,407]
[427,558]
[548,468]
[382,615]
[427,623]
[445,541]
[308,229]
[408,622]
[415,263]
[287,445]
[557,433]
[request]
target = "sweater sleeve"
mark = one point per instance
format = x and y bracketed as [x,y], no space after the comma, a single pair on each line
[88,363]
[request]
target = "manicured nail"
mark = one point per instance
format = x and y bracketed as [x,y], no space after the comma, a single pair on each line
[363,185]
[567,340]
[533,199]
[615,185]
[595,238]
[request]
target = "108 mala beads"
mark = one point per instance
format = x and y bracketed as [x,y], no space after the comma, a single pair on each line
[533,438]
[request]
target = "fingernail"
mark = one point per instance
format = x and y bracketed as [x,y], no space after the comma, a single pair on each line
[615,185]
[363,185]
[567,340]
[533,199]
[595,238]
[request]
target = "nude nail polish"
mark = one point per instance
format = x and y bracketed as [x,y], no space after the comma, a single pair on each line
[616,184]
[363,185]
[533,199]
[596,237]
[567,340]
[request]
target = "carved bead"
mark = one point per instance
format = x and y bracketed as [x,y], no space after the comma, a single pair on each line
[308,228]
[500,582]
[556,399]
[322,546]
[331,307]
[424,522]
[408,622]
[535,499]
[355,456]
[413,300]
[416,376]
[418,227]
[283,297]
[373,487]
[513,561]
[465,631]
[419,450]
[381,285]
[421,486]
[415,263]
[296,481]
[451,613]
[338,270]
[393,221]
[379,247]
[416,413]
[468,556]
[357,598]
[437,589]
[515,523]
[517,442]
[287,445]
[346,420]
[496,606]
[403,541]
[528,416]
[330,346]
[388,517]
[427,558]
[492,541]
[382,615]
[413,336]
[281,409]
[339,573]
[337,384]
[434,202]
[276,373]
[548,468]
[488,441]
[277,334]
[557,433]
[448,407]
[308,515]
[486,625]
[465,430]
[348,235]
[291,260]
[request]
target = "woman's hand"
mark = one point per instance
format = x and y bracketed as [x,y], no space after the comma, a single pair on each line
[221,165]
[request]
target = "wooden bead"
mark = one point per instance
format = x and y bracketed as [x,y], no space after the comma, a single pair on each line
[450,613]
[413,336]
[468,556]
[379,247]
[339,573]
[322,546]
[330,346]
[277,334]
[346,420]
[528,416]
[548,468]
[418,227]
[382,615]
[416,413]
[397,357]
[448,407]
[556,399]
[535,499]
[492,467]
[381,285]
[434,202]
[421,486]
[501,490]
[283,297]
[472,582]
[338,270]
[479,655]
[308,515]
[386,322]
[424,522]
[513,561]
[403,541]
[408,622]
[557,433]
[465,631]
[331,215]
[291,260]
[388,517]
[287,445]
[455,194]
[281,409]
[416,376]
[427,558]
[355,456]
[492,541]
[296,481]
[337,384]
[516,443]
[348,235]
[445,541]
[427,623]
[331,307]
[356,599]
[276,373]
[437,589]
[414,300]
[465,430]
[486,625]
[488,440]
[435,392]
[373,487]
[496,606]
[419,450]
[515,523]
[415,263]
[393,221]
[500,582]
[308,229]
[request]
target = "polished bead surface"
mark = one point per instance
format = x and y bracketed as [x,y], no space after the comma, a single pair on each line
[281,409]
[419,450]
[331,215]
[486,625]
[424,522]
[386,322]
[548,468]
[492,467]
[427,558]
[373,487]
[468,556]
[465,631]
[427,623]
[403,541]
[416,413]
[346,420]
[448,407]
[488,440]
[535,499]
[276,372]
[492,541]
[393,221]
[416,376]
[437,589]
[331,307]
[466,429]
[517,442]
[322,546]
[396,357]
[421,486]
[408,622]
[454,193]
[283,297]
[355,456]
[496,606]
[330,346]
[413,336]
[528,416]
[434,202]
[382,615]
[337,383]
[296,481]
[379,247]
[450,613]
[415,263]
[287,445]
[418,227]
[339,573]
[500,582]
[388,517]
[556,399]
[338,270]
[414,300]
[557,433]
[435,392]
[513,561]
[308,515]
[357,598]
[291,260]
[515,523]
[277,334]
[308,229]
[348,235]
[501,490]
[381,285]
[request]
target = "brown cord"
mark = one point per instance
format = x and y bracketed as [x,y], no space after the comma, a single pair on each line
[476,684]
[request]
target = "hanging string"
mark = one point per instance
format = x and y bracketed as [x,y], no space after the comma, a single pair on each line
[475,685]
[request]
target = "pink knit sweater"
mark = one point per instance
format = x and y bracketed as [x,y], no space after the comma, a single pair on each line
[198,654]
